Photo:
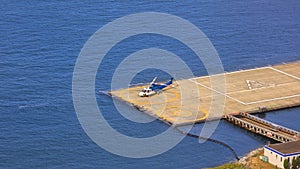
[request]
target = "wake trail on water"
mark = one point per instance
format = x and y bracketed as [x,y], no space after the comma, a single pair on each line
[104,92]
[33,106]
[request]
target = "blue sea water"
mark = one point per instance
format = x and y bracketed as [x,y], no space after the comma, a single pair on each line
[40,42]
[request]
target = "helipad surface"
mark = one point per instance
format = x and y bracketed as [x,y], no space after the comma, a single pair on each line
[190,100]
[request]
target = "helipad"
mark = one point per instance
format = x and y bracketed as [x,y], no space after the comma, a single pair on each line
[253,90]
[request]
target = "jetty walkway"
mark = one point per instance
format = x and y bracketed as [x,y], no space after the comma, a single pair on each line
[263,127]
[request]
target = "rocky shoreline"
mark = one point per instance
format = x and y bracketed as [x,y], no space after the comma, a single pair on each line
[246,158]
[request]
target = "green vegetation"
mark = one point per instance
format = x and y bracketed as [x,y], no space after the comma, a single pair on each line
[231,166]
[286,164]
[296,163]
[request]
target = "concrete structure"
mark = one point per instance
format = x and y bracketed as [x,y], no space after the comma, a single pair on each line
[277,153]
[263,127]
[254,90]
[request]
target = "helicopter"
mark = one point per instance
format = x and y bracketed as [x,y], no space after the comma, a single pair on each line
[154,88]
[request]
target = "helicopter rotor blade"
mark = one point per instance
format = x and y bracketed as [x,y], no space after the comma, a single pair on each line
[153,81]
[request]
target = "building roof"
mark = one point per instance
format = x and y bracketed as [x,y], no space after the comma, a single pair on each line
[286,148]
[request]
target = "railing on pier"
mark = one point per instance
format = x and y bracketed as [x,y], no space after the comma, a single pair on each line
[279,127]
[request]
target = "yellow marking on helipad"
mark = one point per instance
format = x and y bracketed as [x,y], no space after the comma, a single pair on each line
[205,112]
[181,113]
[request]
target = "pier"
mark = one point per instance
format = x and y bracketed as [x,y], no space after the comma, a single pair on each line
[263,127]
[190,100]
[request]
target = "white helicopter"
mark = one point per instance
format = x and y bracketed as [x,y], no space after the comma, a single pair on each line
[154,88]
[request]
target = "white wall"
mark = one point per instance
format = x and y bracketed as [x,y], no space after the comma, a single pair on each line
[276,159]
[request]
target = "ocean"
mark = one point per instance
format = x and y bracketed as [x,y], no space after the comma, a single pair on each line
[39,46]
